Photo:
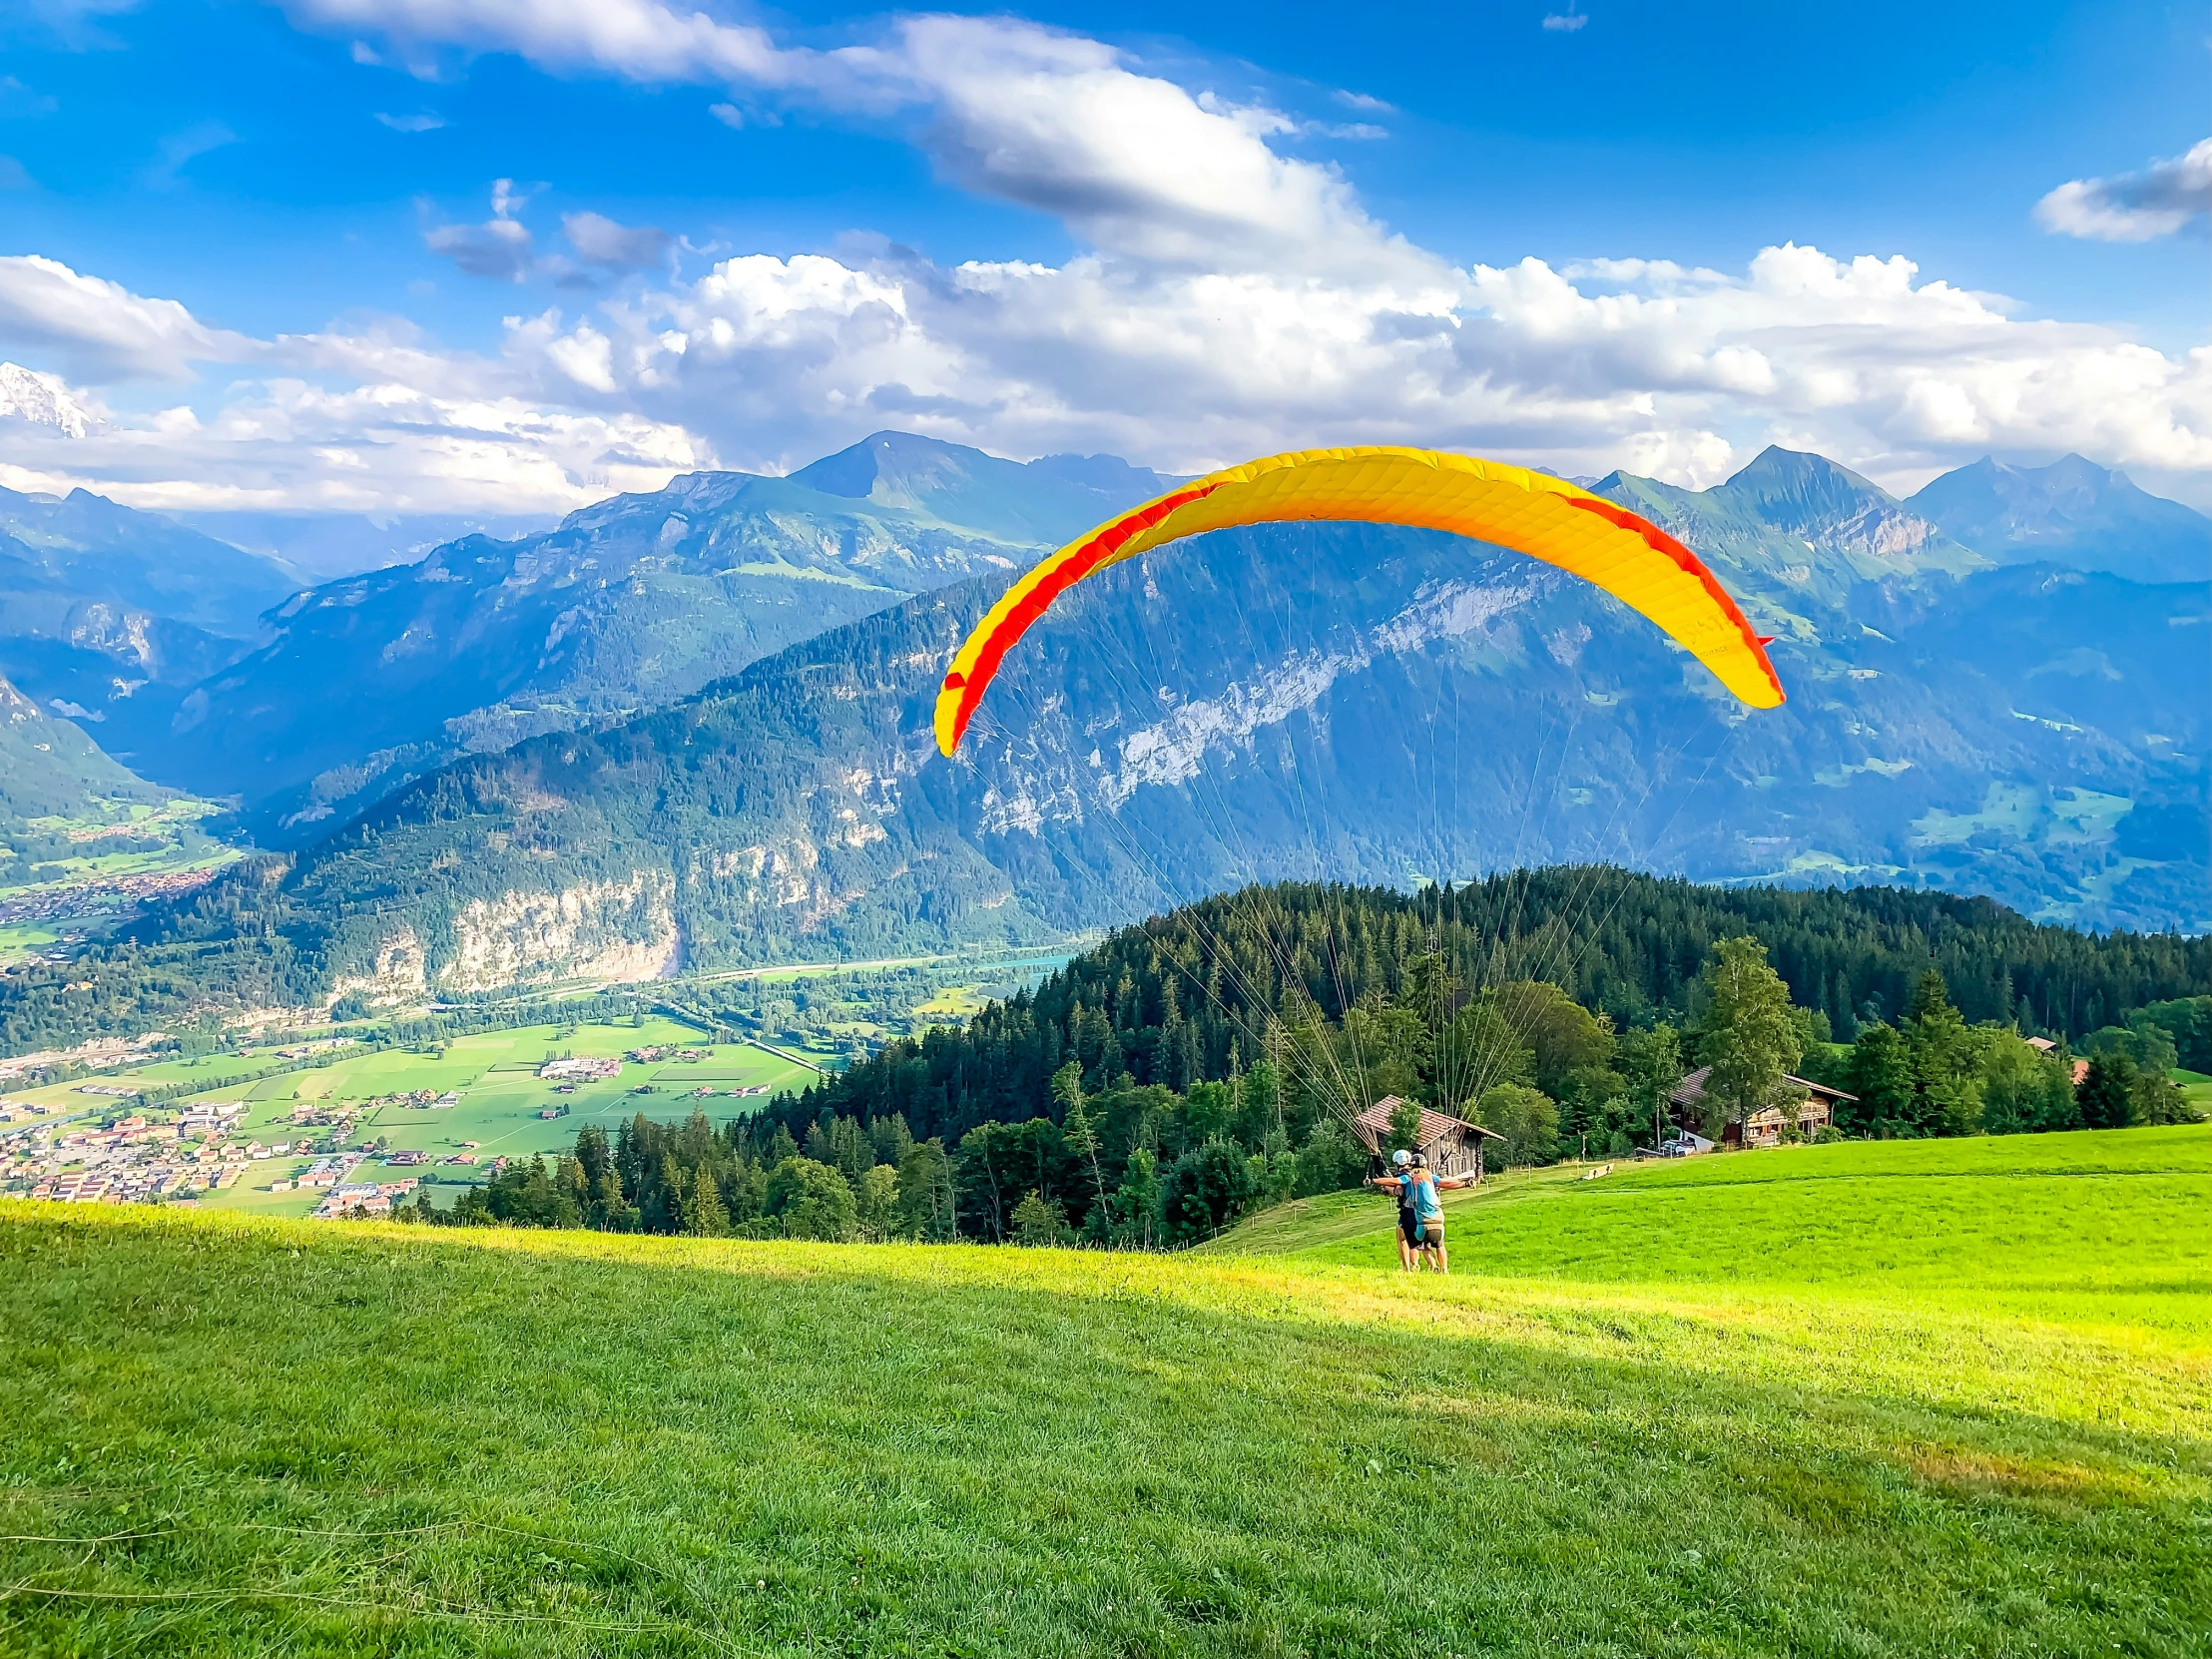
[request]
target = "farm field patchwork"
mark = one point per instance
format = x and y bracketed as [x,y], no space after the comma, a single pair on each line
[497,1114]
[502,1097]
[91,872]
[1615,1438]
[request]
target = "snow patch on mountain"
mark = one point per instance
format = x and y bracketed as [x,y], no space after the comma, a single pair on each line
[42,400]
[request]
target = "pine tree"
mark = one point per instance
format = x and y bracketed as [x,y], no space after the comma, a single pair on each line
[1139,1199]
[1879,1075]
[1039,1220]
[2106,1092]
[1077,1131]
[1946,1084]
[704,1215]
[1651,1062]
[1405,1125]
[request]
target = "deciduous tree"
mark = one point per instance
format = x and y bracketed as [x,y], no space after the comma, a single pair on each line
[1749,1034]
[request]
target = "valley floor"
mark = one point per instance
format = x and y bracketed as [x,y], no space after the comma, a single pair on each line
[1915,1399]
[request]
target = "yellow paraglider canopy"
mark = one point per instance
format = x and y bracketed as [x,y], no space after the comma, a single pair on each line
[1530,512]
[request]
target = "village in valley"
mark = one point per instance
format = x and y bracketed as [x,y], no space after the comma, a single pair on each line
[329,1120]
[331,1141]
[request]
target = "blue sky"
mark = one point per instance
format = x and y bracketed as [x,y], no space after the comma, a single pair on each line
[266,263]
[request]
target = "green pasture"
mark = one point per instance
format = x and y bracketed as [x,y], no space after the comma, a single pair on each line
[501,1095]
[232,1434]
[24,937]
[252,1194]
[2056,1227]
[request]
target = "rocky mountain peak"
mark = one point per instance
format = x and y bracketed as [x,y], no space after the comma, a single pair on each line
[42,401]
[1037,503]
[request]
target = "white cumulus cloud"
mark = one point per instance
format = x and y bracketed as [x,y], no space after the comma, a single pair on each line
[2134,206]
[1227,300]
[364,421]
[99,330]
[1036,116]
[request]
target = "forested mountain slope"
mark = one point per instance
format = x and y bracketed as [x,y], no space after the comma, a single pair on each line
[630,603]
[1308,702]
[49,769]
[1204,994]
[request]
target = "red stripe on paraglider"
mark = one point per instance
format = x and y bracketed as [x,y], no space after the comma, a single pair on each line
[1079,564]
[1660,542]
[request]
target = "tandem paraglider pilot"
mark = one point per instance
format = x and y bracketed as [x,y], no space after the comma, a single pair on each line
[1420,1212]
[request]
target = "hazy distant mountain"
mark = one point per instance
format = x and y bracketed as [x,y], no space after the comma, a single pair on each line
[2071,512]
[1799,525]
[1041,503]
[630,603]
[110,614]
[323,547]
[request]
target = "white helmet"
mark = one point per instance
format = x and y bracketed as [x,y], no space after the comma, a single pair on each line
[1401,1157]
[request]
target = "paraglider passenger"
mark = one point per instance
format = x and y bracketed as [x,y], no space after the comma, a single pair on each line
[1421,1213]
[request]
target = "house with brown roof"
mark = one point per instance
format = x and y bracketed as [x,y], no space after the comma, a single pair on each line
[1452,1145]
[1814,1111]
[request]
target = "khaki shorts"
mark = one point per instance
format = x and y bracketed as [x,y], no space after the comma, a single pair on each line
[1431,1233]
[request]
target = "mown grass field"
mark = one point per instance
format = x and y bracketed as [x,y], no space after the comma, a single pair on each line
[1992,1434]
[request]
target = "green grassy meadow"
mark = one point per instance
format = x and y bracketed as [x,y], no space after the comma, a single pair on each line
[1940,1398]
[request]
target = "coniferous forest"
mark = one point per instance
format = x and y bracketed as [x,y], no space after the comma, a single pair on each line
[1205,1062]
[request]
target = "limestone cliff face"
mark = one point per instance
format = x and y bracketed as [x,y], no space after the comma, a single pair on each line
[618,929]
[394,978]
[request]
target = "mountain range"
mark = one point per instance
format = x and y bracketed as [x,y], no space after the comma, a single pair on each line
[361,684]
[1357,701]
[107,613]
[2071,512]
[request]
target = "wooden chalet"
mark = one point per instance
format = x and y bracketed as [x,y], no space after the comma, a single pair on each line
[1452,1145]
[1764,1127]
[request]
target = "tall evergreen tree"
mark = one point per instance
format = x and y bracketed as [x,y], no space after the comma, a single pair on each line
[704,1215]
[1946,1071]
[2106,1092]
[1651,1063]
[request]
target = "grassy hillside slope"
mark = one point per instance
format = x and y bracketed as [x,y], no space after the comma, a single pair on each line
[237,1436]
[2062,1225]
